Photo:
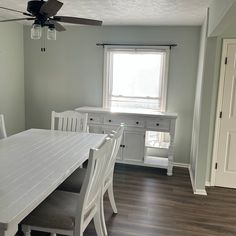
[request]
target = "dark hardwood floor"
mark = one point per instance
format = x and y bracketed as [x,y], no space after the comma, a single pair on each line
[153,204]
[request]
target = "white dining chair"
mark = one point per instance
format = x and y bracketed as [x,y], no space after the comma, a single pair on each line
[74,182]
[3,133]
[69,121]
[70,213]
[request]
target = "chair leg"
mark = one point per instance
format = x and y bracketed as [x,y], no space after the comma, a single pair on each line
[26,230]
[111,198]
[98,222]
[104,228]
[78,230]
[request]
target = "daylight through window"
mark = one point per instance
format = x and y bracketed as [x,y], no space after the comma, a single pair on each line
[135,78]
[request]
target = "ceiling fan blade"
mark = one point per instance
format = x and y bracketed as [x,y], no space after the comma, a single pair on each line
[51,7]
[19,19]
[9,9]
[58,26]
[76,20]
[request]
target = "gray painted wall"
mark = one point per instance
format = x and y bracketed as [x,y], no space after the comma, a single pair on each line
[209,101]
[12,77]
[219,12]
[204,110]
[70,73]
[207,110]
[201,164]
[194,154]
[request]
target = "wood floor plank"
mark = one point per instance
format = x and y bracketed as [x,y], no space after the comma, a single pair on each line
[152,204]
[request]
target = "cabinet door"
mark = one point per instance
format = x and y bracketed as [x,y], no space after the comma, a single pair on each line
[133,146]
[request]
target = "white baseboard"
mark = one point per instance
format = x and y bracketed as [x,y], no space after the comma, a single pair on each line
[196,191]
[208,184]
[200,192]
[182,165]
[191,177]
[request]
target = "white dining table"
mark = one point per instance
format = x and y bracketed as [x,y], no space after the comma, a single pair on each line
[33,164]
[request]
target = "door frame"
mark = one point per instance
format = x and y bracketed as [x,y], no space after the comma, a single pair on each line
[226,42]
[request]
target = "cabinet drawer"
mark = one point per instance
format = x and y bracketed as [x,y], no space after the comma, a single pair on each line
[128,122]
[158,124]
[135,123]
[94,118]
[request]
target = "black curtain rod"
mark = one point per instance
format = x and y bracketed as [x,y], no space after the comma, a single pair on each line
[136,45]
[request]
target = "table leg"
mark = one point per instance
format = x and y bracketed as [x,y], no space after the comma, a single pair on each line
[171,150]
[10,231]
[170,166]
[26,230]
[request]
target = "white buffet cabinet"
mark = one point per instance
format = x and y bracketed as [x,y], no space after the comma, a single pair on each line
[137,123]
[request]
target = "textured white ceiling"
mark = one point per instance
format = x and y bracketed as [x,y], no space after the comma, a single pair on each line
[126,12]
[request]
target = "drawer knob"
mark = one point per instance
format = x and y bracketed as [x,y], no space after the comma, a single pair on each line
[91,119]
[109,120]
[157,124]
[137,123]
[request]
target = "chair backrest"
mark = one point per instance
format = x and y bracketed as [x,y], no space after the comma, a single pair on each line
[3,133]
[93,183]
[69,121]
[117,135]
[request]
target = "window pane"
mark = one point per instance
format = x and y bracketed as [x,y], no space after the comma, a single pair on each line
[136,74]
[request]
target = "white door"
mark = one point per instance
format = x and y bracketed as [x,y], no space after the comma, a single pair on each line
[133,148]
[226,154]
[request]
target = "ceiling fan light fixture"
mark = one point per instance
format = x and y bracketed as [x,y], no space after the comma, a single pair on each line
[44,14]
[36,31]
[52,33]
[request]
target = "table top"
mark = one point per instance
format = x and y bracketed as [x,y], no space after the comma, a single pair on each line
[34,163]
[120,111]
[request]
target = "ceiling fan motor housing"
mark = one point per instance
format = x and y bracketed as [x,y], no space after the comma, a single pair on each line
[34,7]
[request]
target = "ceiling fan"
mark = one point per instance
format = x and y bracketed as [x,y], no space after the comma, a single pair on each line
[43,13]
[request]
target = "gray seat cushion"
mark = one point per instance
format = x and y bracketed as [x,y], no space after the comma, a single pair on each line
[74,182]
[57,211]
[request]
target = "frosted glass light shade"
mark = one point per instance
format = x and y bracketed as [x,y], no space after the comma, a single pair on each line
[36,31]
[51,34]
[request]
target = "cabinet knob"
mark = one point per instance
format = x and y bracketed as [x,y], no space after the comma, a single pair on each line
[137,123]
[91,119]
[109,120]
[157,124]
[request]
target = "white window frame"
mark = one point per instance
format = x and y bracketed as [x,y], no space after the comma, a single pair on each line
[107,84]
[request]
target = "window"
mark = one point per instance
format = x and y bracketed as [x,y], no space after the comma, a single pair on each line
[135,78]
